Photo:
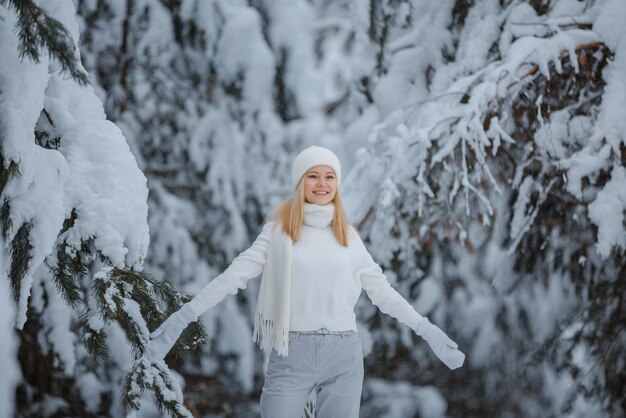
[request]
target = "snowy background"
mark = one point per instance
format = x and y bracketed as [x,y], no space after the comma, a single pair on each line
[484,150]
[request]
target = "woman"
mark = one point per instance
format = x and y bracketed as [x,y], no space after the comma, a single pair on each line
[313,266]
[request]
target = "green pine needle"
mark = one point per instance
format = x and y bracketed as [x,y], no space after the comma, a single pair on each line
[6,173]
[36,30]
[68,272]
[93,340]
[155,377]
[112,291]
[5,218]
[20,258]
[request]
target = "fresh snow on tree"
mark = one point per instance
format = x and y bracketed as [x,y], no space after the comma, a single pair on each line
[8,345]
[483,146]
[74,203]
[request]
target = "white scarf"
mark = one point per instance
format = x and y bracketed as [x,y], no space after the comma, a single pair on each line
[271,321]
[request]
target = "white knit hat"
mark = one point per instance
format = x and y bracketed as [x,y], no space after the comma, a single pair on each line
[311,157]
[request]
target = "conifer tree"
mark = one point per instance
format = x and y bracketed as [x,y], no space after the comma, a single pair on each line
[511,163]
[78,276]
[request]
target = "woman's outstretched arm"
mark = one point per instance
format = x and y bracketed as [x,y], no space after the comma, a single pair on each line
[389,301]
[378,289]
[247,265]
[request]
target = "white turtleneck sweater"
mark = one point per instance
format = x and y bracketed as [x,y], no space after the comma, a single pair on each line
[326,278]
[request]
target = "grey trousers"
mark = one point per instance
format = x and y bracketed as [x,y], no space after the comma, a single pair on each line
[331,364]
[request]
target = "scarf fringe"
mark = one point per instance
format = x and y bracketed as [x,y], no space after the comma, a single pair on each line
[269,334]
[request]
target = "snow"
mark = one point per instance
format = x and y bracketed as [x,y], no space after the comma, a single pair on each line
[157,376]
[430,293]
[405,82]
[11,374]
[402,399]
[249,61]
[520,222]
[481,30]
[57,323]
[611,121]
[90,391]
[95,322]
[132,309]
[105,186]
[609,22]
[22,84]
[607,212]
[51,405]
[584,163]
[93,170]
[237,341]
[157,37]
[293,31]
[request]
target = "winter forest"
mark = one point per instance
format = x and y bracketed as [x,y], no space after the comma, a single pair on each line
[483,145]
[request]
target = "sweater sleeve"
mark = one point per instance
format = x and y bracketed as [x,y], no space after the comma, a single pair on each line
[247,265]
[378,289]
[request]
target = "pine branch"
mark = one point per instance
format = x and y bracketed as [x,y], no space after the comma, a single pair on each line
[8,172]
[583,47]
[119,294]
[36,30]
[68,272]
[141,291]
[20,258]
[111,297]
[69,269]
[5,218]
[156,377]
[116,288]
[195,335]
[93,338]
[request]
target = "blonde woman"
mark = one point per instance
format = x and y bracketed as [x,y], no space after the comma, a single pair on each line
[313,266]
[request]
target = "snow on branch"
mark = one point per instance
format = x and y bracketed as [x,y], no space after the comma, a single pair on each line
[156,377]
[133,299]
[38,30]
[467,137]
[72,201]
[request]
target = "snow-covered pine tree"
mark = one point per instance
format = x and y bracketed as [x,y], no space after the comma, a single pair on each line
[74,218]
[503,185]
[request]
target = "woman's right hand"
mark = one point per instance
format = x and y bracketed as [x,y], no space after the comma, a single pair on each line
[163,338]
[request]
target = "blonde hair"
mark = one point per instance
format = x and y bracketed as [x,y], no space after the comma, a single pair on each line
[290,215]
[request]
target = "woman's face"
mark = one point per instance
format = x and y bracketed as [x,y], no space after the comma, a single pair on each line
[320,185]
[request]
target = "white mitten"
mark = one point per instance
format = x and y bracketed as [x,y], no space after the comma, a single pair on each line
[444,348]
[164,337]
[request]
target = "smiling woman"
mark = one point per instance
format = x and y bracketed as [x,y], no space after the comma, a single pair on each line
[314,266]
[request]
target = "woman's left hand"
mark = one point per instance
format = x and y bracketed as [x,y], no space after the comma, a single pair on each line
[164,337]
[444,348]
